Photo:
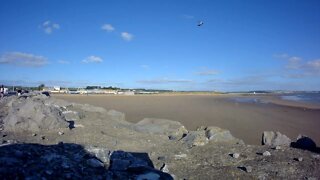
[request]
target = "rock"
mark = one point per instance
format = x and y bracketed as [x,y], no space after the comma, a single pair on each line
[148,176]
[180,156]
[43,137]
[32,114]
[196,138]
[236,155]
[94,163]
[60,133]
[275,139]
[119,164]
[101,153]
[164,168]
[173,129]
[277,148]
[304,142]
[247,169]
[299,159]
[34,134]
[216,134]
[266,153]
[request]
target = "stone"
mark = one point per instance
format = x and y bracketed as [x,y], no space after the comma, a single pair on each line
[266,153]
[119,164]
[275,139]
[180,156]
[164,168]
[94,163]
[247,169]
[173,129]
[217,134]
[196,138]
[299,159]
[277,148]
[34,134]
[236,155]
[60,133]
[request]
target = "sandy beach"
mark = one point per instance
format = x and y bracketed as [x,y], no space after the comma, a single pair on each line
[246,121]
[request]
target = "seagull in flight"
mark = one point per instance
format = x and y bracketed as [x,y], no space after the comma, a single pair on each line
[200,23]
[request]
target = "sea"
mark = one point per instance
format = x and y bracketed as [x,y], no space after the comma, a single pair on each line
[306,97]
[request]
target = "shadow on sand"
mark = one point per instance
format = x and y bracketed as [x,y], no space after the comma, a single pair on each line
[73,161]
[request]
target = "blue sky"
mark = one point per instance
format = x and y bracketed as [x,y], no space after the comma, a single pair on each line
[242,45]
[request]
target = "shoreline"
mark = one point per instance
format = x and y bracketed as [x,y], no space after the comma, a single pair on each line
[244,120]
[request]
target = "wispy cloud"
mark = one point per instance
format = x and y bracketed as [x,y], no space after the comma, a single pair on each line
[23,59]
[297,67]
[164,81]
[207,72]
[63,62]
[107,27]
[126,36]
[93,59]
[281,56]
[48,27]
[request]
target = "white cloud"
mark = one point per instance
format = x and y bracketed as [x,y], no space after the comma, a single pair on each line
[126,36]
[23,59]
[313,66]
[108,27]
[63,62]
[48,27]
[294,62]
[281,56]
[164,81]
[93,59]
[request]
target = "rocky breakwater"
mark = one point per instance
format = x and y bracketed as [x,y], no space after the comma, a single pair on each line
[47,138]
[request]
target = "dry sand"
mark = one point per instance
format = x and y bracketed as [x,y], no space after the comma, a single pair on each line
[246,121]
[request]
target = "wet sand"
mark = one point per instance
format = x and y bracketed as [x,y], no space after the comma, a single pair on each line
[246,121]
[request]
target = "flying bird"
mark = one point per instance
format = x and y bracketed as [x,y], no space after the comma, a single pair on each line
[200,23]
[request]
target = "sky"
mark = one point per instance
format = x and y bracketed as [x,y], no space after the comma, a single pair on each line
[157,44]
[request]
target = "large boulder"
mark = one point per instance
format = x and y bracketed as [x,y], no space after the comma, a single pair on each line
[216,134]
[271,138]
[33,114]
[173,129]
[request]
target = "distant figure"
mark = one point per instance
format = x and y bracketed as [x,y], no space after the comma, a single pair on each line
[1,91]
[200,23]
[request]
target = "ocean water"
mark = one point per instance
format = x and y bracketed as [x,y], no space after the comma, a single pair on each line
[313,98]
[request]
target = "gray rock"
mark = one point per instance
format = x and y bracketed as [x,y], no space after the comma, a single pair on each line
[95,163]
[164,168]
[236,155]
[275,139]
[101,153]
[120,164]
[304,142]
[33,114]
[266,153]
[196,138]
[216,134]
[173,129]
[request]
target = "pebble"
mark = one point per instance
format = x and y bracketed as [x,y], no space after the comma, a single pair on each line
[236,155]
[277,148]
[299,159]
[266,153]
[43,137]
[34,134]
[164,168]
[60,133]
[248,169]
